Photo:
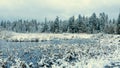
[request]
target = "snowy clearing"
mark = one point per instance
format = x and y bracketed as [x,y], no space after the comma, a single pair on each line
[59,51]
[46,36]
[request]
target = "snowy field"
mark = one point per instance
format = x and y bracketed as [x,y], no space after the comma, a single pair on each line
[47,50]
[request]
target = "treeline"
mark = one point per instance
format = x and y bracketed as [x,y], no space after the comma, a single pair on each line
[82,24]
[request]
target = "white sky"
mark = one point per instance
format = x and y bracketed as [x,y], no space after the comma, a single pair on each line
[39,9]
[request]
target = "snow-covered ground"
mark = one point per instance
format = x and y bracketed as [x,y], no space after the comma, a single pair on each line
[47,50]
[45,36]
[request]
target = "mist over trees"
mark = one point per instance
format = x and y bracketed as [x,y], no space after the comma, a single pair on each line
[81,24]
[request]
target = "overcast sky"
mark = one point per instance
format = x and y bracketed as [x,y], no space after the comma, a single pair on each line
[39,9]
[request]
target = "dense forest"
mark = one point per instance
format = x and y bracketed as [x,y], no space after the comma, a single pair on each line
[81,24]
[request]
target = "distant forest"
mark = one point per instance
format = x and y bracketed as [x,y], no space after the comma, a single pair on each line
[81,24]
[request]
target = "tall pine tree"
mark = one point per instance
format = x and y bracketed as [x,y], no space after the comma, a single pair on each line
[118,24]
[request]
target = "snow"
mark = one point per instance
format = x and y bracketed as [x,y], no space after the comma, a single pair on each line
[45,36]
[63,50]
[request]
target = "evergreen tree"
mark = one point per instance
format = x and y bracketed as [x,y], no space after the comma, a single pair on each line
[56,25]
[93,21]
[118,24]
[81,24]
[71,27]
[45,26]
[103,22]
